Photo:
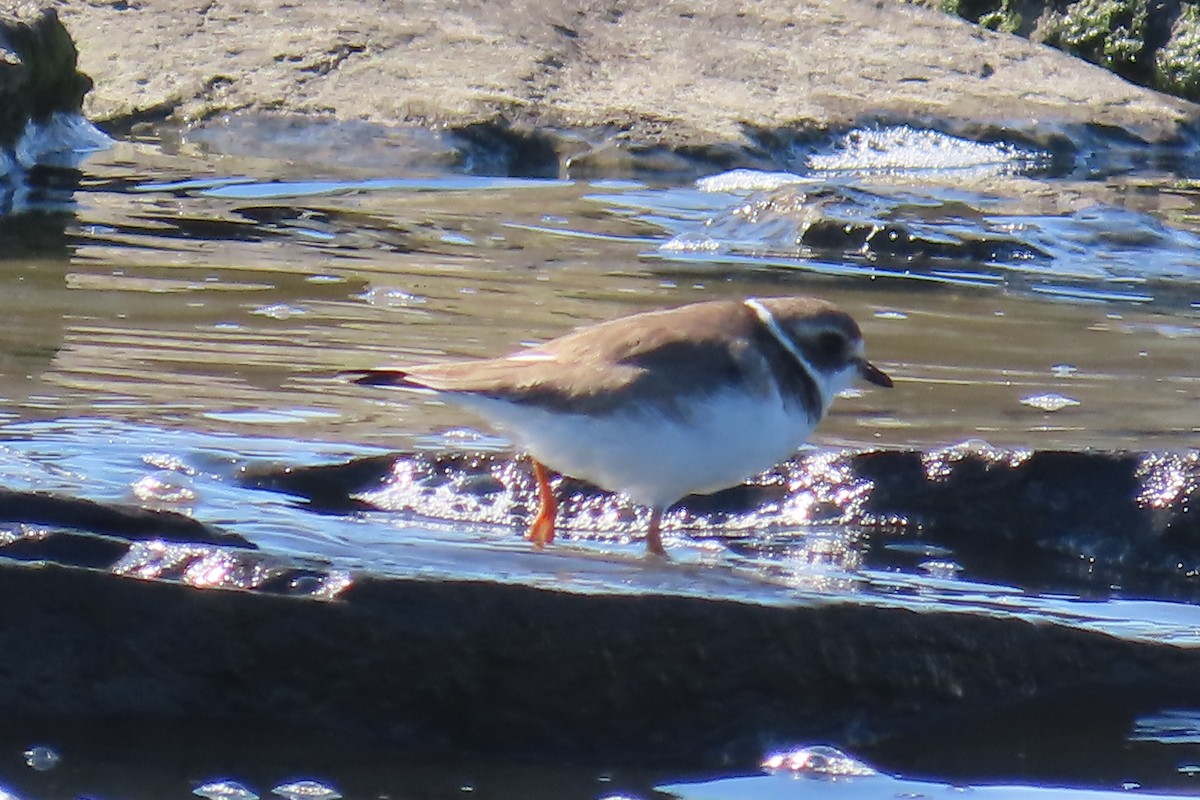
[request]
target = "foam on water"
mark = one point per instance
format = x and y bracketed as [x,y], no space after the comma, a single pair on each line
[750,180]
[224,790]
[62,140]
[818,760]
[903,149]
[42,758]
[306,790]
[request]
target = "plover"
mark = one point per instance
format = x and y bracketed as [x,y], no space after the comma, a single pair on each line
[661,404]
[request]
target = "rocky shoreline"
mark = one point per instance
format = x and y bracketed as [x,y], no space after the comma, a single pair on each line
[680,75]
[602,87]
[129,620]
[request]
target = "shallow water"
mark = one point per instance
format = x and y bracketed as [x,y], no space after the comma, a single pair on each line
[179,314]
[220,294]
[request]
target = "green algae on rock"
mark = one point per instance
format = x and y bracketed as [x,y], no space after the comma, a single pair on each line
[1177,63]
[1150,44]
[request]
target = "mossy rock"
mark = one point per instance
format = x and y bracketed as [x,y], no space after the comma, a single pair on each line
[1112,33]
[1177,64]
[1007,16]
[1150,44]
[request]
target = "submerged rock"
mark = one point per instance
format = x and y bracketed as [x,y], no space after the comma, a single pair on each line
[130,523]
[856,225]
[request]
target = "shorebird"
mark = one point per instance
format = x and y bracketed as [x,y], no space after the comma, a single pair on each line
[662,404]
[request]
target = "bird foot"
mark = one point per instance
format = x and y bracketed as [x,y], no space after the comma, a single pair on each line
[541,531]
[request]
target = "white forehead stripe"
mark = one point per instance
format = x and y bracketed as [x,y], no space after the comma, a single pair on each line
[780,335]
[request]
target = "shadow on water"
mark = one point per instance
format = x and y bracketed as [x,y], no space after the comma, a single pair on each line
[176,312]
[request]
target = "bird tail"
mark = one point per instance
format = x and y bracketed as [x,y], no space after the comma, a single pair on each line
[378,377]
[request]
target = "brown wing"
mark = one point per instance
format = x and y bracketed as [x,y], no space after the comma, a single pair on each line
[648,361]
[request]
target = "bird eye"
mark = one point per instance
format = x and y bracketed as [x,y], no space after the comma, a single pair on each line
[830,345]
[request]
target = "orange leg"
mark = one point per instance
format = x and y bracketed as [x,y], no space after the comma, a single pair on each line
[654,544]
[541,530]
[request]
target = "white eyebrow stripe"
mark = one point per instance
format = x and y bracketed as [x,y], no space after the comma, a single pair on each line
[776,330]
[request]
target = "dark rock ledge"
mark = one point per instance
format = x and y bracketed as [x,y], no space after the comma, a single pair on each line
[477,668]
[458,667]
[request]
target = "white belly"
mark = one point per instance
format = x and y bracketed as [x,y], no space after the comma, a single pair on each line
[653,459]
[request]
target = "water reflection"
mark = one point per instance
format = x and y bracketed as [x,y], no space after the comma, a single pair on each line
[169,303]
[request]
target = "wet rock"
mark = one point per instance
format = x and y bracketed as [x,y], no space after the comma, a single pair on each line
[452,668]
[120,521]
[457,667]
[43,135]
[187,557]
[499,149]
[846,222]
[1125,512]
[38,74]
[328,487]
[680,79]
[66,548]
[205,567]
[481,485]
